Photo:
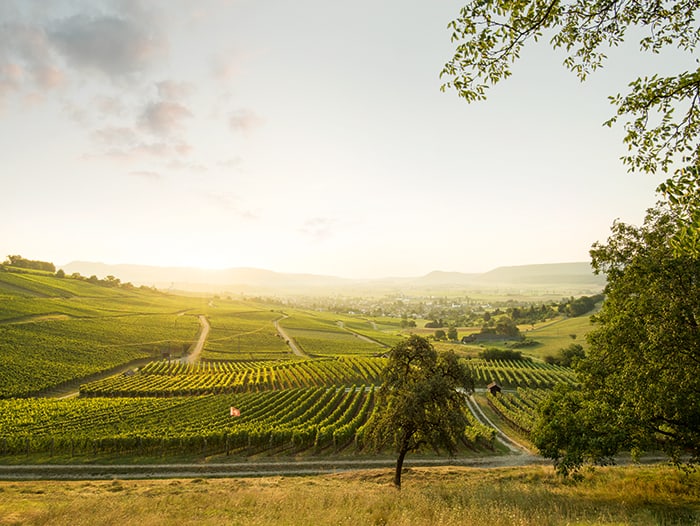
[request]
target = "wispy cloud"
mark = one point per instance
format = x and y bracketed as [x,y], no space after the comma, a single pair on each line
[26,59]
[147,175]
[245,121]
[230,204]
[164,118]
[184,166]
[174,91]
[319,228]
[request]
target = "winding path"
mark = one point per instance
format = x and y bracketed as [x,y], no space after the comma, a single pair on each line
[512,445]
[193,356]
[290,341]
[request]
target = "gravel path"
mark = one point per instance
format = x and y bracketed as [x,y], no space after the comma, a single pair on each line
[193,356]
[290,341]
[244,469]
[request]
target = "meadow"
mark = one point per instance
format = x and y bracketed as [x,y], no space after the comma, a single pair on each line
[525,496]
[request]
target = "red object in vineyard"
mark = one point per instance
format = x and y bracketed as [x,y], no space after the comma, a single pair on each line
[235,411]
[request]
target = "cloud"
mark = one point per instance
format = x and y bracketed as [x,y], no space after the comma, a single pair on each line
[164,118]
[230,204]
[245,121]
[318,228]
[144,174]
[174,91]
[115,136]
[176,164]
[109,105]
[26,59]
[114,45]
[235,163]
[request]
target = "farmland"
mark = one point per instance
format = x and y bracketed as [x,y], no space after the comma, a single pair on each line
[250,398]
[61,331]
[58,331]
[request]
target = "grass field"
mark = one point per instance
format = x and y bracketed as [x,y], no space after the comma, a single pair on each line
[557,334]
[430,496]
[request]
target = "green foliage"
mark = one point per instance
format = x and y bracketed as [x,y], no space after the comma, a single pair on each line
[568,356]
[491,34]
[421,402]
[20,262]
[641,374]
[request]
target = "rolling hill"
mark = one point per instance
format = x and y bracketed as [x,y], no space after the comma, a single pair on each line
[572,277]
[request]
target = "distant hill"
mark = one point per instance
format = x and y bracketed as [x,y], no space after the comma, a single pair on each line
[570,277]
[545,274]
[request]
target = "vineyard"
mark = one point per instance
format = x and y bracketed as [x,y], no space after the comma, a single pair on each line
[520,373]
[319,417]
[518,409]
[177,379]
[57,330]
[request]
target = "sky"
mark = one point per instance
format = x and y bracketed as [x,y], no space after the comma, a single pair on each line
[306,136]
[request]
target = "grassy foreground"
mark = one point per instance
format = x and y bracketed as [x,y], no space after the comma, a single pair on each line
[449,495]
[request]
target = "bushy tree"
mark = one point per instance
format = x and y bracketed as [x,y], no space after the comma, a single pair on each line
[421,401]
[640,379]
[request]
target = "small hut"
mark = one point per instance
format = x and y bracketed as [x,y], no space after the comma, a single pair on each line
[493,388]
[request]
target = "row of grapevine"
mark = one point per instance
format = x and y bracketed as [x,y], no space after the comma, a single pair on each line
[518,409]
[516,373]
[300,418]
[177,379]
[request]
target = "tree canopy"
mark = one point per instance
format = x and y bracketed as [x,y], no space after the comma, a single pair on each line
[421,401]
[662,112]
[640,379]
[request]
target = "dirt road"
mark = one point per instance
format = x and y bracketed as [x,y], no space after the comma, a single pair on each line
[290,341]
[193,356]
[244,469]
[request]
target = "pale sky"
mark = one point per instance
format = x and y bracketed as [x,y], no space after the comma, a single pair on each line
[307,136]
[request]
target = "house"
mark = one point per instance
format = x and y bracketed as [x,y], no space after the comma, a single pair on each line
[493,388]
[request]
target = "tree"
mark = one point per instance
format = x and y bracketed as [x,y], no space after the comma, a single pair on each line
[421,401]
[452,333]
[663,112]
[640,378]
[440,335]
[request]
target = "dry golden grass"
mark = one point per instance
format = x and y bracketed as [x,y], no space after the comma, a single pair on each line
[435,496]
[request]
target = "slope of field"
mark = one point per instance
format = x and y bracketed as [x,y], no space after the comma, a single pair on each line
[243,331]
[56,330]
[323,334]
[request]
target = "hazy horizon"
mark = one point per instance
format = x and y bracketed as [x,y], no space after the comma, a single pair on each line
[306,137]
[282,271]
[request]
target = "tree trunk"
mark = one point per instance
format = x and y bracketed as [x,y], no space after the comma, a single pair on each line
[399,467]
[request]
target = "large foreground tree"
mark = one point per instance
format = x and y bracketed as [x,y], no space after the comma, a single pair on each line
[662,113]
[640,379]
[421,401]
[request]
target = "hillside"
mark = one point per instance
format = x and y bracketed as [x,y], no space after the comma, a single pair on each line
[54,330]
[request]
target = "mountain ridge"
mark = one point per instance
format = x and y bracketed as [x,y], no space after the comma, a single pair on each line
[250,279]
